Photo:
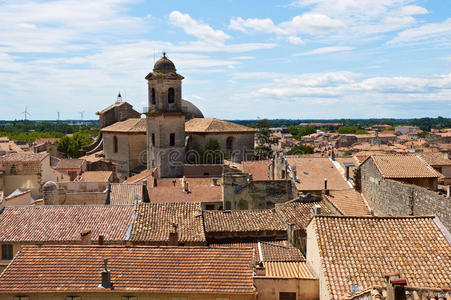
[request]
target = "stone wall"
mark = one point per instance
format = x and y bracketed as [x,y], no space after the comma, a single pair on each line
[393,198]
[240,191]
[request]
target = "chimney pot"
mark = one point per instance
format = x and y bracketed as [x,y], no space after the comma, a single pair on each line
[86,237]
[260,269]
[106,276]
[174,235]
[316,210]
[101,239]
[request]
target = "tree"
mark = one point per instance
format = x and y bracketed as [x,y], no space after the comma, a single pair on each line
[263,149]
[300,149]
[212,153]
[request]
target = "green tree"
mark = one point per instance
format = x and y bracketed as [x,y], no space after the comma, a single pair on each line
[263,149]
[300,149]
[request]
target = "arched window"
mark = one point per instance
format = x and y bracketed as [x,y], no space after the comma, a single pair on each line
[154,101]
[171,95]
[229,144]
[115,145]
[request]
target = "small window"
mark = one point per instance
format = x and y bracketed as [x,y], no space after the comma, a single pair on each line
[7,251]
[154,101]
[153,139]
[73,298]
[287,296]
[229,144]
[172,139]
[129,298]
[171,95]
[21,298]
[115,144]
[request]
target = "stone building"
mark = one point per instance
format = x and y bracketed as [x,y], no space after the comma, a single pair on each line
[125,144]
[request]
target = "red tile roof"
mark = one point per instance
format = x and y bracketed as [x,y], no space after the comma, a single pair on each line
[403,166]
[73,163]
[199,270]
[125,193]
[154,221]
[197,193]
[146,269]
[348,202]
[359,251]
[64,223]
[214,125]
[96,176]
[23,157]
[133,125]
[138,178]
[259,169]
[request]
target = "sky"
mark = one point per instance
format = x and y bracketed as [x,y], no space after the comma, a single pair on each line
[241,59]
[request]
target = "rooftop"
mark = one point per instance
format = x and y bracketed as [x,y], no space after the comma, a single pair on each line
[133,125]
[96,176]
[125,193]
[73,163]
[348,202]
[292,269]
[195,193]
[403,166]
[259,169]
[198,125]
[435,158]
[23,157]
[359,251]
[50,223]
[197,270]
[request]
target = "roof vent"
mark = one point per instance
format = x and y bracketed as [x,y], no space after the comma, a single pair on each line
[316,210]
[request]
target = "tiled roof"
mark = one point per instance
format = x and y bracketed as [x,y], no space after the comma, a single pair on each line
[199,270]
[73,163]
[214,125]
[23,157]
[288,270]
[154,222]
[252,220]
[259,169]
[96,176]
[197,193]
[403,166]
[359,251]
[125,193]
[7,146]
[136,125]
[138,178]
[435,158]
[311,172]
[64,223]
[271,250]
[299,213]
[348,202]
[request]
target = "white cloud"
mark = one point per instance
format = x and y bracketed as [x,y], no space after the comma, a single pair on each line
[243,57]
[311,23]
[195,28]
[440,31]
[295,40]
[324,50]
[258,25]
[411,10]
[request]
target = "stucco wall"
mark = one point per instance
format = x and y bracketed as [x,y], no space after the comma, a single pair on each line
[269,288]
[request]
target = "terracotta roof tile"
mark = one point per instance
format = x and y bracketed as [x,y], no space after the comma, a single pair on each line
[125,193]
[214,125]
[138,178]
[435,158]
[403,166]
[198,270]
[299,213]
[348,202]
[361,250]
[311,172]
[154,221]
[271,250]
[288,270]
[259,169]
[133,125]
[197,193]
[252,220]
[73,163]
[64,223]
[96,176]
[23,157]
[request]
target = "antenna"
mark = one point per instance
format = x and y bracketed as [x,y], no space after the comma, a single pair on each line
[81,114]
[25,113]
[58,113]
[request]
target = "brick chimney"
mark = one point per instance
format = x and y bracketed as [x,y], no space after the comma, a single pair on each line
[186,186]
[215,181]
[260,269]
[326,191]
[174,235]
[395,287]
[85,237]
[101,239]
[106,276]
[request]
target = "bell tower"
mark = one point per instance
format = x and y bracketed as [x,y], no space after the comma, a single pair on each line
[165,120]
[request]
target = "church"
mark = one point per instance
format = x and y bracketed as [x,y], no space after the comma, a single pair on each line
[173,133]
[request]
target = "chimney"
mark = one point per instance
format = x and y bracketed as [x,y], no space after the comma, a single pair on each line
[260,269]
[186,186]
[106,276]
[174,235]
[101,239]
[174,182]
[108,195]
[347,172]
[85,237]
[326,191]
[316,210]
[215,181]
[395,287]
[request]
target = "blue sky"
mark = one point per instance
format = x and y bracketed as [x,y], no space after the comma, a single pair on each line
[241,59]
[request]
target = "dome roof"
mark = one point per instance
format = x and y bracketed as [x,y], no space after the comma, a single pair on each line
[164,65]
[191,111]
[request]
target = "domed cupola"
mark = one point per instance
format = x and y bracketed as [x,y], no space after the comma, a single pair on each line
[164,65]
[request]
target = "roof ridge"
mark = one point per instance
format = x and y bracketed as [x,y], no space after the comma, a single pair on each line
[375,217]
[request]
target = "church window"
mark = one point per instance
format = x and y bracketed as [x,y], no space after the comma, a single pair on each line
[115,144]
[229,144]
[171,95]
[172,139]
[154,101]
